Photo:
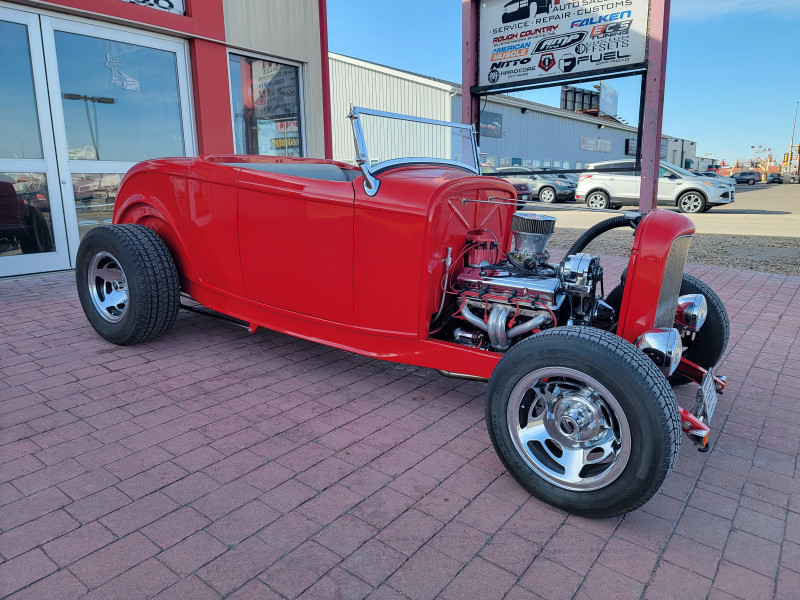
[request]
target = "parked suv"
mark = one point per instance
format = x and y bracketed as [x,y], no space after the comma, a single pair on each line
[676,187]
[775,178]
[547,187]
[522,186]
[748,177]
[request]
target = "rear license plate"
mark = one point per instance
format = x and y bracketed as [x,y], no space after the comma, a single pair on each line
[707,397]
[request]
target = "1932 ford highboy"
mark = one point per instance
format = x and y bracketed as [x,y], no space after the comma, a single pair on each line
[412,260]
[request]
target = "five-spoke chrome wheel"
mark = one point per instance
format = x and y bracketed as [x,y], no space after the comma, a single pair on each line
[691,202]
[569,428]
[547,195]
[108,287]
[598,200]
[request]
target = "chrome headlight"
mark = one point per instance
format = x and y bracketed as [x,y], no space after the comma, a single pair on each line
[664,348]
[692,311]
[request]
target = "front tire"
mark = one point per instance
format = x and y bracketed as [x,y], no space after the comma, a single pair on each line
[127,283]
[583,421]
[598,199]
[692,203]
[547,195]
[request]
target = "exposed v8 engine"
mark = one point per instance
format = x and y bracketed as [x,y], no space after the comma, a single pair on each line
[501,299]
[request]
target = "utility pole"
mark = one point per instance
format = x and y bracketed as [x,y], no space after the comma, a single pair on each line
[791,144]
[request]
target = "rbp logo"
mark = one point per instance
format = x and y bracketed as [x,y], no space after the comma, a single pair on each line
[494,76]
[567,63]
[547,61]
[559,42]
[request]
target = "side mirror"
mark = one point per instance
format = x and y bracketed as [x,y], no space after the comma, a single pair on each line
[672,176]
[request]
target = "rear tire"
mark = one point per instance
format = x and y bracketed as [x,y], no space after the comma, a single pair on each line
[583,421]
[598,200]
[751,181]
[127,283]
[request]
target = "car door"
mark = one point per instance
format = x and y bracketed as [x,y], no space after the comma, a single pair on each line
[624,183]
[669,185]
[296,243]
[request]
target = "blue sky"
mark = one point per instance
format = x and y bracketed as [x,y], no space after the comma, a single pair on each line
[733,67]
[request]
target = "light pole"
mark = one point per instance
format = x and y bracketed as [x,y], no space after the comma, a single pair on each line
[95,100]
[791,144]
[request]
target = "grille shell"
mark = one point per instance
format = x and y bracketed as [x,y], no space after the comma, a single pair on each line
[671,282]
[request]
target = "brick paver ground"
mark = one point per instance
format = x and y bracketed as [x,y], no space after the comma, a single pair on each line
[211,463]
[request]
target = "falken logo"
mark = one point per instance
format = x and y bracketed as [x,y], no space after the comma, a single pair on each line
[617,16]
[559,42]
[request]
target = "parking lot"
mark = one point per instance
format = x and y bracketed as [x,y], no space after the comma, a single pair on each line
[761,209]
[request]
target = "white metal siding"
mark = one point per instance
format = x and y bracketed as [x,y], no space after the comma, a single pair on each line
[355,83]
[539,135]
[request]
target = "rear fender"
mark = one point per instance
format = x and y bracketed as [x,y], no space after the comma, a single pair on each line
[150,212]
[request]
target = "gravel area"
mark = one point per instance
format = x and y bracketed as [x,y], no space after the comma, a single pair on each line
[757,253]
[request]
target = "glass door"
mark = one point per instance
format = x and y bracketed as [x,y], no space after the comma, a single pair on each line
[117,98]
[32,226]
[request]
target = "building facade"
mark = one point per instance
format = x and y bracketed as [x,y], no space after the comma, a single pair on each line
[91,87]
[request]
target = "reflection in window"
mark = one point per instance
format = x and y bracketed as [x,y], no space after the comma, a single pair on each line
[25,225]
[19,124]
[120,100]
[95,194]
[266,107]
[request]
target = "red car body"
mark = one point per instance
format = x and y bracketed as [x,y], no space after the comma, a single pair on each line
[324,261]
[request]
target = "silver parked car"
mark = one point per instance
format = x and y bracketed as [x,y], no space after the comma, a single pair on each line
[547,187]
[676,187]
[715,175]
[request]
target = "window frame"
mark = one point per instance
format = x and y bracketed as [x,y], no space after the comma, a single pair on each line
[301,75]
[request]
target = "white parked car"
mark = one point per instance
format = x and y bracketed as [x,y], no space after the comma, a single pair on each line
[676,187]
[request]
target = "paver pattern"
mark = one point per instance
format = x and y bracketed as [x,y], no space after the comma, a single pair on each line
[211,463]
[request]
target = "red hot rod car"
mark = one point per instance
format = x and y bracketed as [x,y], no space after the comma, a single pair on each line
[417,258]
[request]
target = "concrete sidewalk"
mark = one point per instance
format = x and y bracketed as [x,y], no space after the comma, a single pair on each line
[211,463]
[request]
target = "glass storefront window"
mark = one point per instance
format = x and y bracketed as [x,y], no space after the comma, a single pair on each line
[25,224]
[120,100]
[95,194]
[19,125]
[266,107]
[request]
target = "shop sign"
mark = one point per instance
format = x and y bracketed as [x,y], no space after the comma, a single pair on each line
[491,125]
[526,40]
[274,89]
[173,6]
[595,144]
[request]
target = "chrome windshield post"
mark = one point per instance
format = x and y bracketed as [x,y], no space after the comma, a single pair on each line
[362,159]
[439,143]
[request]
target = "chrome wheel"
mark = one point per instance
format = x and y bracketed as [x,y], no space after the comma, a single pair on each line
[691,202]
[547,195]
[569,428]
[108,287]
[597,200]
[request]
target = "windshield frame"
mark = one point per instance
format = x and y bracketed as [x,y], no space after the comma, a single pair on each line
[370,171]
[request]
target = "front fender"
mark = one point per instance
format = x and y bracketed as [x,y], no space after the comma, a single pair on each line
[655,272]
